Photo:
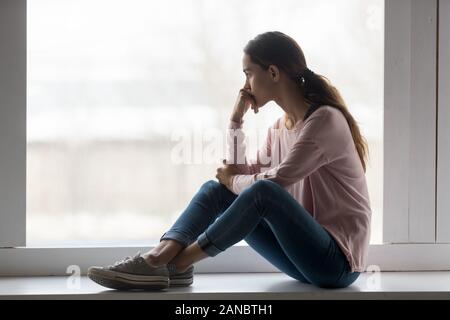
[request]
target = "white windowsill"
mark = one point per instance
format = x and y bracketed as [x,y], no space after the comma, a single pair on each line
[258,286]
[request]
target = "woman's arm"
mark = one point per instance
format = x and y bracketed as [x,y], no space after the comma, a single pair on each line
[236,150]
[305,157]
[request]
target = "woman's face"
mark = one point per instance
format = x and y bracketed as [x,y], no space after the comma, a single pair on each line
[258,81]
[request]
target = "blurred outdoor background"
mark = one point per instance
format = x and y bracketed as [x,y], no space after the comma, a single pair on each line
[112,83]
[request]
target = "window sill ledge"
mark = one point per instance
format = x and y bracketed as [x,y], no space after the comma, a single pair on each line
[240,286]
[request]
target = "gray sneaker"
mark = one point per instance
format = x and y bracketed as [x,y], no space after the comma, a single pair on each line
[131,273]
[136,273]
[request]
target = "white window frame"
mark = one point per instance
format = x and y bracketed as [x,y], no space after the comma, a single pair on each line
[12,123]
[443,158]
[416,209]
[410,122]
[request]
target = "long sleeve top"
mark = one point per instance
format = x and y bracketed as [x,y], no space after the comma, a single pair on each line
[317,163]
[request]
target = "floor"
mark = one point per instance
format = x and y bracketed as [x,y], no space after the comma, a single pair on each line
[259,286]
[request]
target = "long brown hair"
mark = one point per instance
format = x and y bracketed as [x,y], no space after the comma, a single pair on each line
[277,48]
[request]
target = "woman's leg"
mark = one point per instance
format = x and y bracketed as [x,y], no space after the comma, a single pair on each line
[183,252]
[208,203]
[307,244]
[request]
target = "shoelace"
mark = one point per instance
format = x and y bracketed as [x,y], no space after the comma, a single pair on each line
[127,260]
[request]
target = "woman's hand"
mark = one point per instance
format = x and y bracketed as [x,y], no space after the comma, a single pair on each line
[226,173]
[244,101]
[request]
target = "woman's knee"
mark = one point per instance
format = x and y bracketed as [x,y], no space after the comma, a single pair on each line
[265,189]
[265,185]
[211,185]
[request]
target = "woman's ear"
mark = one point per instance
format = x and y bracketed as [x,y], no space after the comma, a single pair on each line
[274,72]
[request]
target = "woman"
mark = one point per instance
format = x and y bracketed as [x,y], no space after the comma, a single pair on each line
[305,208]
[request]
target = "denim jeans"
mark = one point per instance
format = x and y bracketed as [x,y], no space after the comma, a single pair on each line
[272,222]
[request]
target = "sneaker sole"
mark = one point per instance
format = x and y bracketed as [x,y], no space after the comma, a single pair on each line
[183,279]
[181,282]
[123,281]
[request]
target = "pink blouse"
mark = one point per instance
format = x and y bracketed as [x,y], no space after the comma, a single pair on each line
[317,163]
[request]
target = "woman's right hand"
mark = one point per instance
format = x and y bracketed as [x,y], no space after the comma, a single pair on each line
[244,101]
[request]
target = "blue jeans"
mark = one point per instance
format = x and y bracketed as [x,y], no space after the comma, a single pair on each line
[272,222]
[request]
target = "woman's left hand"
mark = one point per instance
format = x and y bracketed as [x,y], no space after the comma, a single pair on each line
[226,173]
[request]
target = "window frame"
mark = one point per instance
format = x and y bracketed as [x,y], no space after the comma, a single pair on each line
[13,123]
[414,199]
[409,213]
[443,158]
